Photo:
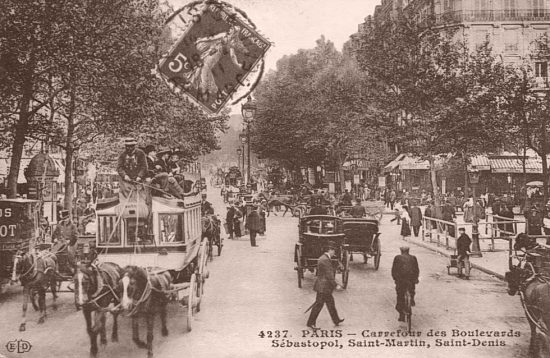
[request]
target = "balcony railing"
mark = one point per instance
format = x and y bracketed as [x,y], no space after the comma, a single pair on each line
[493,15]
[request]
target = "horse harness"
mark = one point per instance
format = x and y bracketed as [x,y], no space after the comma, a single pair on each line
[101,292]
[146,294]
[48,263]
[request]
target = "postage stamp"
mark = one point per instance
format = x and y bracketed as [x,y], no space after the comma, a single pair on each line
[213,57]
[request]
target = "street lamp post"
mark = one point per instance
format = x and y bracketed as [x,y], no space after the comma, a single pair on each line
[239,153]
[473,175]
[248,111]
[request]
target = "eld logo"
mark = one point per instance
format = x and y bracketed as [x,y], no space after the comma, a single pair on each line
[18,346]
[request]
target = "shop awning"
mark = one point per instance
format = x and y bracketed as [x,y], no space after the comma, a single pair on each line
[412,163]
[515,165]
[480,162]
[394,163]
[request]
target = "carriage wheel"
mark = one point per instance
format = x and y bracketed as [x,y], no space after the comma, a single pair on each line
[378,253]
[345,272]
[299,269]
[190,301]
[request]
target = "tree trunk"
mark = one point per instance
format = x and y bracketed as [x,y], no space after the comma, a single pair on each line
[433,177]
[20,136]
[339,165]
[466,178]
[69,153]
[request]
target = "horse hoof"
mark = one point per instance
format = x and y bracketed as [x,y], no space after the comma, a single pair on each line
[149,354]
[164,332]
[114,339]
[22,327]
[54,307]
[103,341]
[41,320]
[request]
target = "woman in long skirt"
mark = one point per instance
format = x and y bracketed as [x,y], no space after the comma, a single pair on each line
[405,222]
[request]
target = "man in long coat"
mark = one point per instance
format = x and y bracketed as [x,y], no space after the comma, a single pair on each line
[253,225]
[416,219]
[325,283]
[405,273]
[229,220]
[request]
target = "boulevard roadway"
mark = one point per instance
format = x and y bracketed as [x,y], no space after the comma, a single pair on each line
[254,289]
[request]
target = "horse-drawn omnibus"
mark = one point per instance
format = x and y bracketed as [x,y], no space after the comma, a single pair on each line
[19,229]
[164,235]
[233,177]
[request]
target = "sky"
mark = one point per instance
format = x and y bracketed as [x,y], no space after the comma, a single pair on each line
[295,24]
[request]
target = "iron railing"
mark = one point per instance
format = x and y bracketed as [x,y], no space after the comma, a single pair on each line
[493,15]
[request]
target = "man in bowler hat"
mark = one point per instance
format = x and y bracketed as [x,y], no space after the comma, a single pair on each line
[324,285]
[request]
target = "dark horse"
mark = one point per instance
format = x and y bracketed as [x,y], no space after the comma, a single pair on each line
[143,295]
[37,273]
[211,230]
[96,287]
[534,290]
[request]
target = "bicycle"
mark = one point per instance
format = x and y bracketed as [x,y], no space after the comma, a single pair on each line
[407,309]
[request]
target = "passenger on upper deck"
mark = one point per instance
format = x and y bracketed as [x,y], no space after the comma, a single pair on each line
[132,166]
[159,177]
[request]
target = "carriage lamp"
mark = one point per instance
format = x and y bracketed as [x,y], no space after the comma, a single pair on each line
[473,175]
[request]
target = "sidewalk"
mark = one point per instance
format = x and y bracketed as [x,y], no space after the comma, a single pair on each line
[493,262]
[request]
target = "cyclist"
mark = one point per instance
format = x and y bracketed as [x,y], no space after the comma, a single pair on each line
[405,273]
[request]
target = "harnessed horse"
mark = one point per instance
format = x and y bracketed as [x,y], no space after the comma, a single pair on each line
[211,230]
[36,272]
[143,294]
[534,291]
[96,288]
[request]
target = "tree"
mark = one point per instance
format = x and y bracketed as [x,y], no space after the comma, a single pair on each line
[29,48]
[313,109]
[442,98]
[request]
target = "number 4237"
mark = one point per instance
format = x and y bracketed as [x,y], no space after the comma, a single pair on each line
[273,334]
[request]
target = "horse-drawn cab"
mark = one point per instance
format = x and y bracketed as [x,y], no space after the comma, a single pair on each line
[314,234]
[19,230]
[363,237]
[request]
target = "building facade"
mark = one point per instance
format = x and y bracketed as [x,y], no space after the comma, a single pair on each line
[514,30]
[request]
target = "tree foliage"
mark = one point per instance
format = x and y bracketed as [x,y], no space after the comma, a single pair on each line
[313,109]
[438,96]
[78,72]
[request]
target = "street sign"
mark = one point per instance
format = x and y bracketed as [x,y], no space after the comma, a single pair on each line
[213,57]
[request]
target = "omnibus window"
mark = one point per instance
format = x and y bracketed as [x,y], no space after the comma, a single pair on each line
[142,237]
[106,230]
[171,228]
